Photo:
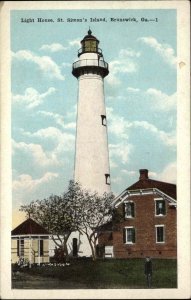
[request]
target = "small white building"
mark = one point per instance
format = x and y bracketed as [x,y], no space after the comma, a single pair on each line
[30,241]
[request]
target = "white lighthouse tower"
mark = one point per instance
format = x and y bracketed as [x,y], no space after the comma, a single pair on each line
[92,157]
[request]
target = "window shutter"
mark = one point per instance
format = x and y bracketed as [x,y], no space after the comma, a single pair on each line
[157,208]
[164,208]
[133,235]
[124,235]
[17,247]
[132,209]
[22,249]
[41,248]
[124,210]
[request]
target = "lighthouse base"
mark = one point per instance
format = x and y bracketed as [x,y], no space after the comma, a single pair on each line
[78,245]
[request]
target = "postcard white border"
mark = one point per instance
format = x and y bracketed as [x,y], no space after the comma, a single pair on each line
[183,160]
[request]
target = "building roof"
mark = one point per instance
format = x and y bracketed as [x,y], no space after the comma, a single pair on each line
[29,227]
[89,36]
[146,183]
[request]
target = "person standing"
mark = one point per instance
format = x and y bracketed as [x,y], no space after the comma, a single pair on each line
[148,271]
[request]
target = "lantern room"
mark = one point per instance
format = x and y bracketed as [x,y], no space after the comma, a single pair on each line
[89,44]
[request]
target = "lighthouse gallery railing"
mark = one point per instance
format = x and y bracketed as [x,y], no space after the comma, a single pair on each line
[90,62]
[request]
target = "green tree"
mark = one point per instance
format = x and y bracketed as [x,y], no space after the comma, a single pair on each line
[75,210]
[57,214]
[95,211]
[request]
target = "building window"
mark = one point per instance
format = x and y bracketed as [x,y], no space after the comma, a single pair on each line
[20,247]
[160,234]
[160,207]
[129,208]
[129,235]
[17,247]
[103,120]
[107,179]
[41,248]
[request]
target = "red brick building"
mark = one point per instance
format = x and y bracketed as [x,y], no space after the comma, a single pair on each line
[144,223]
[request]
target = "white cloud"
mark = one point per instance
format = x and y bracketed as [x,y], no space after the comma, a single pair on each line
[126,63]
[26,182]
[153,175]
[121,127]
[164,50]
[62,139]
[60,142]
[169,173]
[116,179]
[131,173]
[32,98]
[112,163]
[161,100]
[115,98]
[117,125]
[36,152]
[158,99]
[168,138]
[55,47]
[72,113]
[59,119]
[133,90]
[128,53]
[64,64]
[44,63]
[113,80]
[75,42]
[121,151]
[122,66]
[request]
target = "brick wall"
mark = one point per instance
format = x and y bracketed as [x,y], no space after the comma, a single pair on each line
[144,223]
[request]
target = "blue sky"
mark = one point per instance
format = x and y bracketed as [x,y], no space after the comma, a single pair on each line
[140,95]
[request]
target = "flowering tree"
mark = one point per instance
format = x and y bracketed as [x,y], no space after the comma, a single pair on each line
[96,211]
[75,210]
[56,214]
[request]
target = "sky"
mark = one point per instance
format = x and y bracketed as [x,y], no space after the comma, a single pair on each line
[140,97]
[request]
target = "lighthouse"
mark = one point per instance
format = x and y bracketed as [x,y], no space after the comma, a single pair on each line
[91,154]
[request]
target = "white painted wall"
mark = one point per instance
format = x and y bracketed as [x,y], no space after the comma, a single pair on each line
[82,242]
[92,158]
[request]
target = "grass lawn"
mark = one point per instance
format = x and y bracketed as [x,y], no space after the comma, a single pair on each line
[108,274]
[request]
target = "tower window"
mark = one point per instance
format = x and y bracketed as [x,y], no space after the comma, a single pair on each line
[107,179]
[103,120]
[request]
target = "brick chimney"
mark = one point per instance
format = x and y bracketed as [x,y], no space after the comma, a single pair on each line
[143,174]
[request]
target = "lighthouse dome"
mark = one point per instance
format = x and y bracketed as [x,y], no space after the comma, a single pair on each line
[89,44]
[89,36]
